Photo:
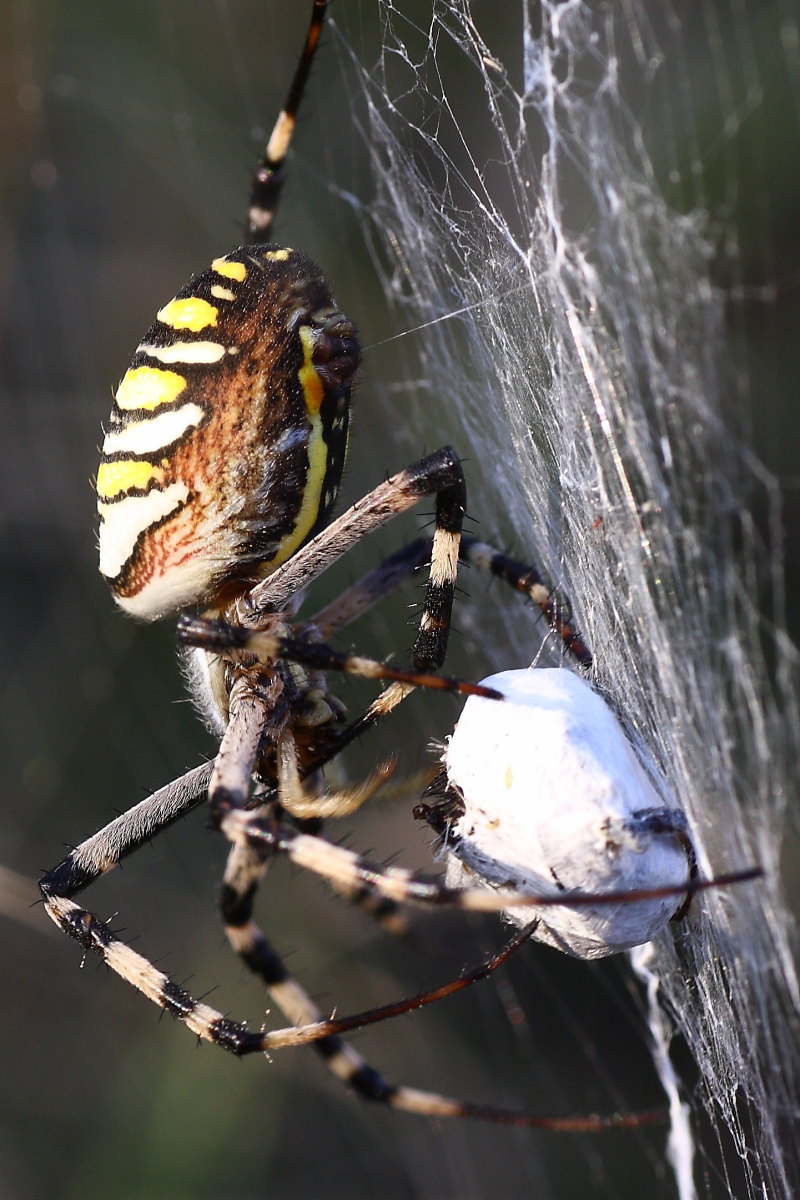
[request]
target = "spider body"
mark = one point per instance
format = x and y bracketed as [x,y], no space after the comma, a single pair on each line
[226,443]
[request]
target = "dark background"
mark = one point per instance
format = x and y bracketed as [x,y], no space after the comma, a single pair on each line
[126,145]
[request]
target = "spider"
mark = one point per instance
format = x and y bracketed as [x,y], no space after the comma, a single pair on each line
[219,472]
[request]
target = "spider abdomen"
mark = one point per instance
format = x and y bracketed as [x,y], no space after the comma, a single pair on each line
[226,443]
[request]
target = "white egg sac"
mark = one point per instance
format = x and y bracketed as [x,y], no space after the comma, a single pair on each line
[555,799]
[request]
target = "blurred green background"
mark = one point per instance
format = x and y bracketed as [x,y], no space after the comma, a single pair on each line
[128,133]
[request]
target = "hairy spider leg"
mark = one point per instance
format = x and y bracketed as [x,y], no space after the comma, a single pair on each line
[524,578]
[438,474]
[361,596]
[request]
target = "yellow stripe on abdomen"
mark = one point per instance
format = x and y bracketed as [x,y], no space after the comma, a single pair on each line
[116,478]
[148,387]
[229,270]
[189,312]
[313,389]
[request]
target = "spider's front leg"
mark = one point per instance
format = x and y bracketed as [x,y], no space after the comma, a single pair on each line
[221,637]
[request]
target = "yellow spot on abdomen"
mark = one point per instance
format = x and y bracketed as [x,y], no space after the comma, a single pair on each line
[277,255]
[186,352]
[189,313]
[148,387]
[230,270]
[113,478]
[313,391]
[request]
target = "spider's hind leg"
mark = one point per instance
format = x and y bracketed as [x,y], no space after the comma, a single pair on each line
[244,871]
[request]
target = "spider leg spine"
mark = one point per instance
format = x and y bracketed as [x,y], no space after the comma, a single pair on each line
[389,499]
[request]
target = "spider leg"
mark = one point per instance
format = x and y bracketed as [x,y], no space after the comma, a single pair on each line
[368,591]
[439,474]
[222,637]
[302,806]
[362,595]
[210,1025]
[526,579]
[268,178]
[357,600]
[254,717]
[340,803]
[394,570]
[344,867]
[254,711]
[125,834]
[244,871]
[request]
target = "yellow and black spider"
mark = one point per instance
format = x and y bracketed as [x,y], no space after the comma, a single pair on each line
[220,467]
